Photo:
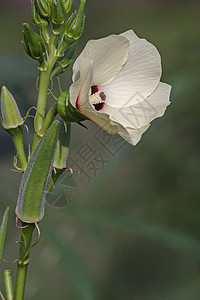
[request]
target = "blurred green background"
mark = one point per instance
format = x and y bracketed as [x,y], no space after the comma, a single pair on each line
[133,231]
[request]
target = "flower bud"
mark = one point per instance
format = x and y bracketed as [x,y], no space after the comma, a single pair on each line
[67,111]
[10,114]
[75,24]
[58,16]
[62,149]
[67,5]
[73,28]
[44,7]
[64,62]
[40,22]
[37,18]
[33,43]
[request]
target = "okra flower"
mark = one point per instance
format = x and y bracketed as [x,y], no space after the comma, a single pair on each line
[116,84]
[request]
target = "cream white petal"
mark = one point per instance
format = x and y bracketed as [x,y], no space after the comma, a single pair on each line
[139,76]
[102,121]
[80,90]
[107,55]
[142,113]
[132,136]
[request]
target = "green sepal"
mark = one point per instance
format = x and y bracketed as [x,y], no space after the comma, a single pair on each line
[35,180]
[3,231]
[33,43]
[62,148]
[67,111]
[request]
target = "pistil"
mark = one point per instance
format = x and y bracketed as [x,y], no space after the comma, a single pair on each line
[97,98]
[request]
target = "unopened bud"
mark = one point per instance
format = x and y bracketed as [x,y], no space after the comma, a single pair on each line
[40,22]
[75,24]
[58,16]
[33,43]
[67,5]
[44,7]
[10,114]
[73,28]
[37,18]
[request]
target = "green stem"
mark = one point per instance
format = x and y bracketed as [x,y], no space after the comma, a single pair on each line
[43,91]
[49,118]
[23,261]
[17,137]
[42,99]
[2,297]
[7,276]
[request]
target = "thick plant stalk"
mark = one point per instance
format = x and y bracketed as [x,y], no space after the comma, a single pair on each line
[25,246]
[7,276]
[43,91]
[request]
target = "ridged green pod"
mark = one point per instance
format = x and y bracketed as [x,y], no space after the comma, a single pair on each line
[35,180]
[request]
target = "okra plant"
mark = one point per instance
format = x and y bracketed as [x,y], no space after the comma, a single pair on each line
[106,77]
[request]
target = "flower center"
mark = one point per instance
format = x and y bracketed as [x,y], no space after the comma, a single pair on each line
[97,98]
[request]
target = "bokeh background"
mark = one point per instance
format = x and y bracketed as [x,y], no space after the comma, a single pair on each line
[133,231]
